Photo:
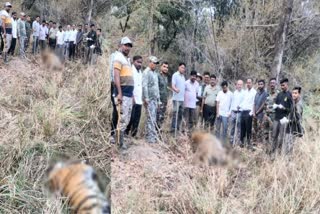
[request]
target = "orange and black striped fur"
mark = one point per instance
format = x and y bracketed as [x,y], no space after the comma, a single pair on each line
[77,181]
[207,149]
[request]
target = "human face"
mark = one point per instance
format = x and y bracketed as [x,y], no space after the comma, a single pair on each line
[14,16]
[164,68]
[284,86]
[224,88]
[125,49]
[239,85]
[193,78]
[206,79]
[8,9]
[38,19]
[199,79]
[260,86]
[138,64]
[153,66]
[182,69]
[213,81]
[295,95]
[28,18]
[272,84]
[249,83]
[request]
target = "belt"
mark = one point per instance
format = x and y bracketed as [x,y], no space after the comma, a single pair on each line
[236,111]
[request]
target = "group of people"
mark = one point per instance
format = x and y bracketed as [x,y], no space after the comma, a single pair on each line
[69,42]
[274,116]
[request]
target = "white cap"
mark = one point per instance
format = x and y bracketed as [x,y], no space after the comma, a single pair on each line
[7,4]
[125,40]
[154,59]
[22,14]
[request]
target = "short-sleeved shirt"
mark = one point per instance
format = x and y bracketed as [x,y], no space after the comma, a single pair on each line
[14,28]
[224,100]
[43,32]
[237,98]
[6,18]
[60,36]
[190,96]
[259,99]
[123,64]
[53,33]
[178,80]
[210,94]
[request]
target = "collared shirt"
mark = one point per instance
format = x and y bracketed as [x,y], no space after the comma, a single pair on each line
[28,28]
[163,84]
[21,27]
[43,32]
[53,33]
[150,85]
[248,100]
[210,94]
[178,80]
[35,28]
[190,96]
[122,63]
[92,36]
[237,98]
[224,100]
[14,29]
[285,99]
[260,99]
[295,119]
[66,37]
[137,91]
[79,36]
[60,36]
[73,36]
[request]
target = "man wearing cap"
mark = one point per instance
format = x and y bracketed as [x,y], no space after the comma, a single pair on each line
[163,90]
[124,85]
[35,34]
[151,98]
[282,106]
[22,34]
[7,28]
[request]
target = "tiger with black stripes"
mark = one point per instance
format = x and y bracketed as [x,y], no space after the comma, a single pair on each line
[77,181]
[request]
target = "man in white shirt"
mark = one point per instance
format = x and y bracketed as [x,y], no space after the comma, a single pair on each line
[137,97]
[35,34]
[66,39]
[72,42]
[235,111]
[60,43]
[223,99]
[43,35]
[14,33]
[246,108]
[6,23]
[190,100]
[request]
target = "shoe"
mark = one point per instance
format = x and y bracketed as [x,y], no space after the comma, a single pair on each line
[123,146]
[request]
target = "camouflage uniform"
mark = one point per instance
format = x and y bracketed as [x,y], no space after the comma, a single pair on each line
[125,114]
[150,93]
[268,117]
[163,90]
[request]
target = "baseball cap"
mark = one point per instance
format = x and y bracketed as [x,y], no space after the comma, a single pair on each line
[7,4]
[154,59]
[126,40]
[22,14]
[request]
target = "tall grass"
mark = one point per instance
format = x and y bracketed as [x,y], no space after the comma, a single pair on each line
[42,121]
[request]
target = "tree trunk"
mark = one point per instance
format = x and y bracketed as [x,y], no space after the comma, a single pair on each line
[280,36]
[90,12]
[152,38]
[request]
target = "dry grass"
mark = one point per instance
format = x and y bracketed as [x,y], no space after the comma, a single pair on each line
[160,179]
[42,121]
